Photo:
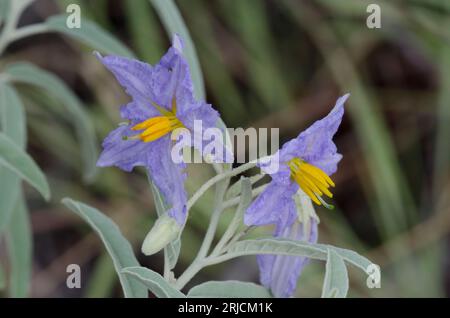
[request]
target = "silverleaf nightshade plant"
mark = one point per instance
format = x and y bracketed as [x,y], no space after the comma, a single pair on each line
[162,102]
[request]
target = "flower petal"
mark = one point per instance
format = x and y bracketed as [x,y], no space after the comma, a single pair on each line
[136,78]
[280,273]
[124,154]
[172,77]
[198,120]
[274,205]
[169,178]
[315,144]
[158,84]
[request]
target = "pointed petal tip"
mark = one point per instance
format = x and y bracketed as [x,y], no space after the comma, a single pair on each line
[177,42]
[98,55]
[341,100]
[340,103]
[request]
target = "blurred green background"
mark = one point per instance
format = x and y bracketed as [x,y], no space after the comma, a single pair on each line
[266,64]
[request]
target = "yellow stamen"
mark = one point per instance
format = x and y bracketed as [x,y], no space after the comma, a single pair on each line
[312,180]
[157,127]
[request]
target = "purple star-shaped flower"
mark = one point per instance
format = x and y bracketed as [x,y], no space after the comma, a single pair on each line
[162,101]
[305,163]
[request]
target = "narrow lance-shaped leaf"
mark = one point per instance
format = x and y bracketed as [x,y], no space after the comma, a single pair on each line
[72,110]
[335,284]
[19,162]
[289,247]
[12,115]
[89,33]
[12,123]
[229,289]
[4,8]
[2,278]
[19,244]
[153,281]
[117,246]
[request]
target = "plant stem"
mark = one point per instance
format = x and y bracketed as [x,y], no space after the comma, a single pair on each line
[234,201]
[166,265]
[197,264]
[189,273]
[199,261]
[228,174]
[215,218]
[232,227]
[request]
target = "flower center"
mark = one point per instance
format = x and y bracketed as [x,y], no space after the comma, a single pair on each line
[312,180]
[159,126]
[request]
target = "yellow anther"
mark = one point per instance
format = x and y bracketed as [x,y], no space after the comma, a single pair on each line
[312,180]
[157,127]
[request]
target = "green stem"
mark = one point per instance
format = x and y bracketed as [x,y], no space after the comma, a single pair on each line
[228,174]
[166,265]
[189,273]
[215,218]
[234,201]
[199,261]
[229,236]
[197,264]
[230,231]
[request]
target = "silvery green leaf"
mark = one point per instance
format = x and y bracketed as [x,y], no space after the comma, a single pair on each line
[2,276]
[12,123]
[351,257]
[335,284]
[116,244]
[72,109]
[91,34]
[275,246]
[172,250]
[229,289]
[19,243]
[18,161]
[153,281]
[12,115]
[290,247]
[4,9]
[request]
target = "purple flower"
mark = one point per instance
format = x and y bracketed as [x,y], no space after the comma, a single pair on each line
[280,273]
[305,163]
[162,101]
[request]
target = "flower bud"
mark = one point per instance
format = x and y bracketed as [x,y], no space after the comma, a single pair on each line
[165,230]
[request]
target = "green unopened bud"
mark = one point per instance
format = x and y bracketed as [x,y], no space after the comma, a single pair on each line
[165,230]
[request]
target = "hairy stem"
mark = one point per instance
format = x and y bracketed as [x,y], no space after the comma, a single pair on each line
[235,201]
[228,174]
[197,264]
